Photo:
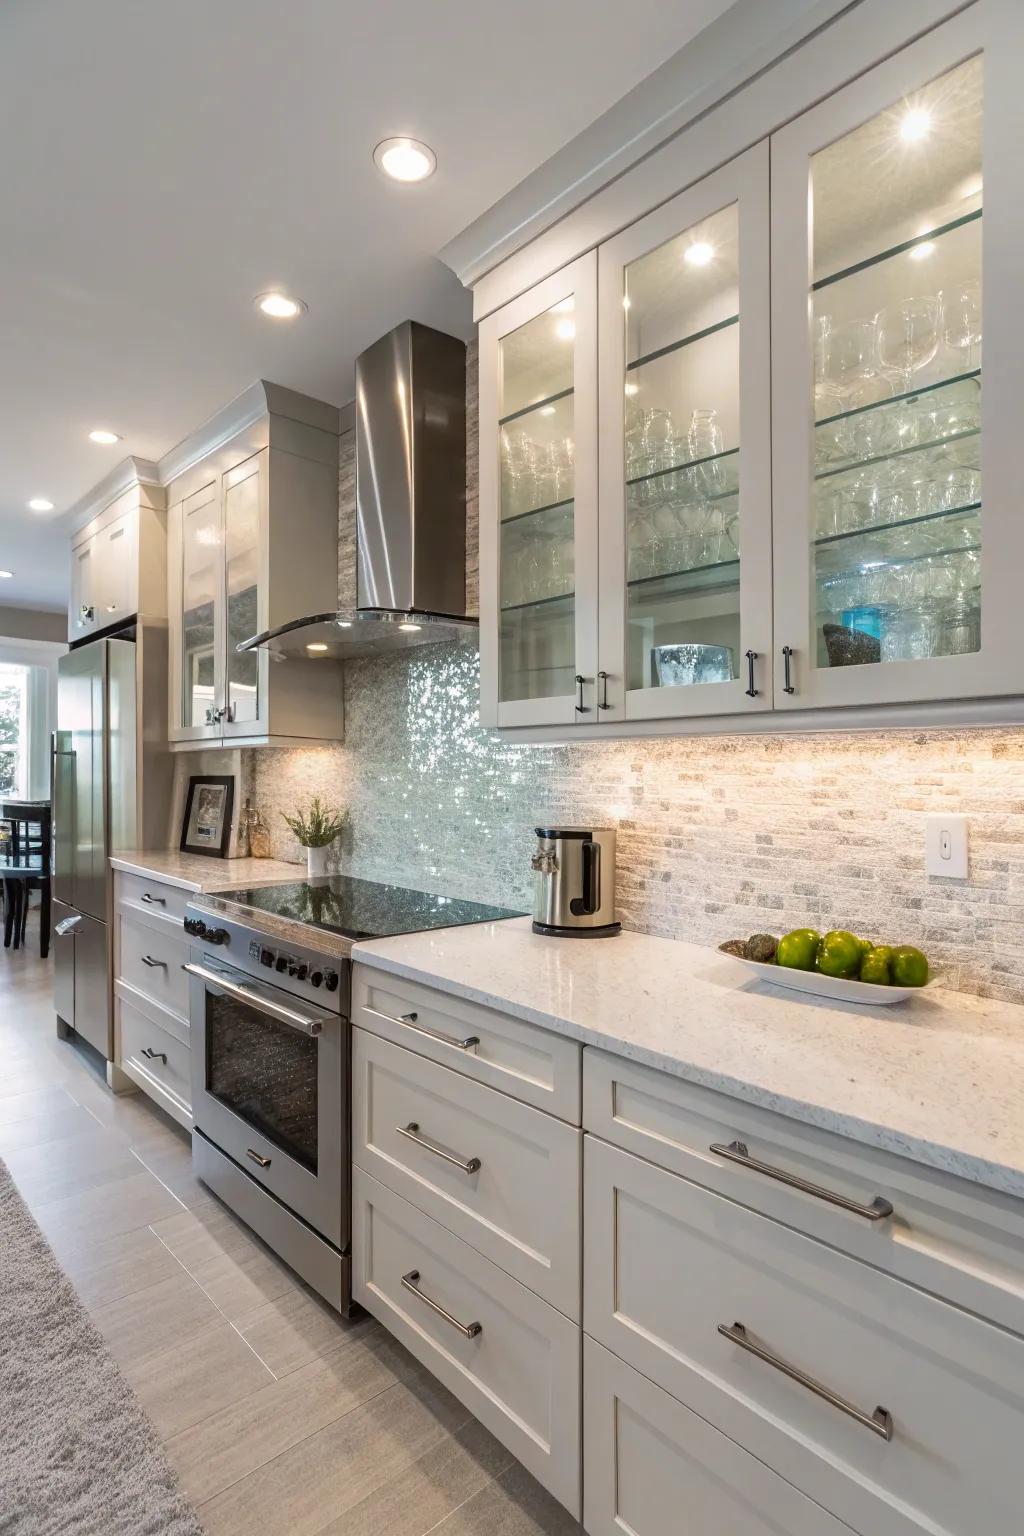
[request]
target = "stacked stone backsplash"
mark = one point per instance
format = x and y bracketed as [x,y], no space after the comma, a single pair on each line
[718,836]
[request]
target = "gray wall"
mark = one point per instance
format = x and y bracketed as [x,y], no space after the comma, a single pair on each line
[33,624]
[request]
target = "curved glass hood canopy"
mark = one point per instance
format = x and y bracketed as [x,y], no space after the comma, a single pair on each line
[410,506]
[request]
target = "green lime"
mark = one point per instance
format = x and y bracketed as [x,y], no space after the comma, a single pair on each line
[840,954]
[866,946]
[874,966]
[799,950]
[909,966]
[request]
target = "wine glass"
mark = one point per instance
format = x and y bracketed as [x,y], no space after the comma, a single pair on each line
[961,321]
[908,336]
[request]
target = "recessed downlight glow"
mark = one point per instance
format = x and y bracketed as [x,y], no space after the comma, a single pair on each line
[6,575]
[40,504]
[923,251]
[699,253]
[547,410]
[104,436]
[565,330]
[405,159]
[280,306]
[564,307]
[344,623]
[410,628]
[915,125]
[632,389]
[316,647]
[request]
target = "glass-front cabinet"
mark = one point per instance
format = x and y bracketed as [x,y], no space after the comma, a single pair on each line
[685,468]
[889,560]
[805,496]
[538,469]
[244,489]
[200,653]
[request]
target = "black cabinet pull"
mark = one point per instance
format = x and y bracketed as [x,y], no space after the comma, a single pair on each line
[751,690]
[787,663]
[581,708]
[603,701]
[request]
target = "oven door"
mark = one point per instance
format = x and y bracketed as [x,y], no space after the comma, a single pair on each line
[269,1088]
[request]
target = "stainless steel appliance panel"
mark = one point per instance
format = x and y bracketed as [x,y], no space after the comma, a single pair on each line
[81,984]
[122,748]
[65,921]
[81,848]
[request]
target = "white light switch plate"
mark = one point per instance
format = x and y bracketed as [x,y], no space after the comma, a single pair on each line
[945,847]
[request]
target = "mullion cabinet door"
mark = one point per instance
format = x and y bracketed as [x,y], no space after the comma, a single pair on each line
[538,504]
[896,225]
[685,454]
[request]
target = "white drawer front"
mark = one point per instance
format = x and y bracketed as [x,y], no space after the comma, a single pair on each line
[957,1239]
[519,1373]
[152,896]
[155,1060]
[647,1459]
[531,1064]
[501,1175]
[150,959]
[667,1263]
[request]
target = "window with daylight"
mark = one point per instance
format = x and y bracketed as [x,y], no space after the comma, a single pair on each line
[14,733]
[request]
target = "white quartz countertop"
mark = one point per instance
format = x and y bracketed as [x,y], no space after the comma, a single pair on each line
[194,872]
[939,1079]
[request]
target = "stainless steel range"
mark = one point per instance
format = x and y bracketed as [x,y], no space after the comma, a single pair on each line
[270,1055]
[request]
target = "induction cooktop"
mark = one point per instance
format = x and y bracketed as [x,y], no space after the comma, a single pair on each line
[362,909]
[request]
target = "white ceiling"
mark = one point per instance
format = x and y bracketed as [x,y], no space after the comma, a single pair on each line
[163,163]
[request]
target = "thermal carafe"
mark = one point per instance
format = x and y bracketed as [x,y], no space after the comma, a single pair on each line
[574,870]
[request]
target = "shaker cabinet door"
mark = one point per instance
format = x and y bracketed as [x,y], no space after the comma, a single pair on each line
[538,504]
[896,217]
[685,453]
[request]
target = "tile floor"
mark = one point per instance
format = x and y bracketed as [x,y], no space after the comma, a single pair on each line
[281,1418]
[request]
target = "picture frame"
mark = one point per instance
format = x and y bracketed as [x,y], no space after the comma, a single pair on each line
[206,826]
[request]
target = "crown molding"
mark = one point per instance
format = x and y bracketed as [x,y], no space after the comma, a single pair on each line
[130,471]
[260,399]
[746,40]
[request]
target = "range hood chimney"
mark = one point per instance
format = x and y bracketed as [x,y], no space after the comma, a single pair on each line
[410,504]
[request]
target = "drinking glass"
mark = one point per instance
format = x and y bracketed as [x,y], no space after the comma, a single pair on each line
[849,360]
[908,336]
[704,436]
[961,322]
[658,437]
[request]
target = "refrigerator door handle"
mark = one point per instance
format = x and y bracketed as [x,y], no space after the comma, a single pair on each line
[62,799]
[67,926]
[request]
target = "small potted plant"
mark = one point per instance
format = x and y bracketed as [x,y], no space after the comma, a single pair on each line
[316,828]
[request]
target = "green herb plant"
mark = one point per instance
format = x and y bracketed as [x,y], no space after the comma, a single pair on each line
[316,825]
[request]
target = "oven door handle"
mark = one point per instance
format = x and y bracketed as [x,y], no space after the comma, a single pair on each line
[299,1021]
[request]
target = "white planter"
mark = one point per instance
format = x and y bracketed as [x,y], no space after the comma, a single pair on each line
[316,861]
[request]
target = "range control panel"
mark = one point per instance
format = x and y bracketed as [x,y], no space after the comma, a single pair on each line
[317,974]
[223,940]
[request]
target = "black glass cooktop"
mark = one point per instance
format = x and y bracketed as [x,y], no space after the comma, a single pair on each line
[362,909]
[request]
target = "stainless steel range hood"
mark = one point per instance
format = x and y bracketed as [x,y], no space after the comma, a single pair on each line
[410,505]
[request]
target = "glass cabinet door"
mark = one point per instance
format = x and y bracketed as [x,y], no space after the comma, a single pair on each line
[201,570]
[538,533]
[885,547]
[242,549]
[685,551]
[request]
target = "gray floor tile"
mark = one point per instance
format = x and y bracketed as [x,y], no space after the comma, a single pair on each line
[80,1219]
[117,1266]
[204,1374]
[294,1328]
[514,1505]
[160,1317]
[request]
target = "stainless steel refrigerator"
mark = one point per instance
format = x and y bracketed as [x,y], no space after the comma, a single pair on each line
[111,778]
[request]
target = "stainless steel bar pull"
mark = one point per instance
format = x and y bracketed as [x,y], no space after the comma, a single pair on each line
[410,1022]
[151,901]
[411,1132]
[152,963]
[879,1422]
[736,1152]
[299,1021]
[468,1330]
[263,1162]
[152,1055]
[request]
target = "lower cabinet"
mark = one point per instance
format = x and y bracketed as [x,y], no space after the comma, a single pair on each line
[652,1467]
[151,1027]
[509,1356]
[156,1060]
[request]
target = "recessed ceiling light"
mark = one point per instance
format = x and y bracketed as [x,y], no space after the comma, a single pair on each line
[6,575]
[280,306]
[405,159]
[316,647]
[923,251]
[103,435]
[915,125]
[699,253]
[565,330]
[410,628]
[40,504]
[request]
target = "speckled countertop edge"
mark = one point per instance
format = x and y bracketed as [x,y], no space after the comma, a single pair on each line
[321,940]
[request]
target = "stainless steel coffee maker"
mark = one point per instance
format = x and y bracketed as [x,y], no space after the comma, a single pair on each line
[574,894]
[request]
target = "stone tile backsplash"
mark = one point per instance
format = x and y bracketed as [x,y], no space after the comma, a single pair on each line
[717,836]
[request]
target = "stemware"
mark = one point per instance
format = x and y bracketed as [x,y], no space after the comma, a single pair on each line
[908,336]
[961,322]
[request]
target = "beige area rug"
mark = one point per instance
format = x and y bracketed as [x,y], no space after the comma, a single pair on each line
[77,1454]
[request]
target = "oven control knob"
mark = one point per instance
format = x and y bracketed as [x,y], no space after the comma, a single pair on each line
[316,979]
[301,972]
[217,936]
[266,957]
[331,981]
[282,962]
[196,927]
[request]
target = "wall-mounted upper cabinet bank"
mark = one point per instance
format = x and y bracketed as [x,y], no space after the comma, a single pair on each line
[118,559]
[253,543]
[718,486]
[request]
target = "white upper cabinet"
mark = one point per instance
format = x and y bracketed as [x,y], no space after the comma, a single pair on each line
[890,201]
[253,541]
[118,560]
[538,481]
[771,504]
[685,454]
